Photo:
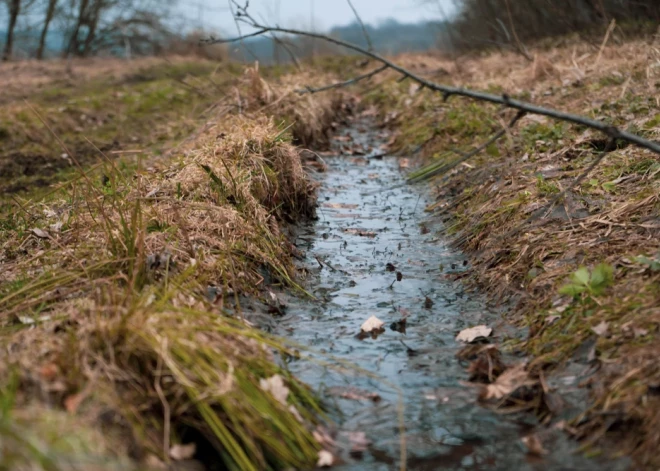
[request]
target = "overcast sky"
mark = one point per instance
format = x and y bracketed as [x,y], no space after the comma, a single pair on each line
[214,14]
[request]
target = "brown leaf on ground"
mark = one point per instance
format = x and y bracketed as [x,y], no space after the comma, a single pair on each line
[507,383]
[486,365]
[601,329]
[534,445]
[73,401]
[404,163]
[41,233]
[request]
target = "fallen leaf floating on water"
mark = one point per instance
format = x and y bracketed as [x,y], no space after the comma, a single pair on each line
[340,205]
[404,163]
[326,459]
[372,324]
[507,383]
[390,267]
[275,386]
[474,333]
[354,394]
[360,232]
[534,445]
[359,442]
[183,452]
[601,329]
[399,276]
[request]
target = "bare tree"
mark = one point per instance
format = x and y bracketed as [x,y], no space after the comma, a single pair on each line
[14,7]
[50,12]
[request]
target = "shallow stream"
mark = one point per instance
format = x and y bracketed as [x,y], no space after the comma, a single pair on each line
[411,379]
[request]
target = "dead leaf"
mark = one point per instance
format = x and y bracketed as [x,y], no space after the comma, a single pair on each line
[552,319]
[359,442]
[404,162]
[601,329]
[360,232]
[354,394]
[507,383]
[371,324]
[340,205]
[275,385]
[534,445]
[326,459]
[323,437]
[40,233]
[183,452]
[473,333]
[49,371]
[73,401]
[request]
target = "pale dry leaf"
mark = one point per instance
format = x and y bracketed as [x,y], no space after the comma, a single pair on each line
[183,452]
[57,227]
[534,445]
[371,324]
[323,437]
[326,459]
[275,385]
[359,441]
[340,205]
[552,319]
[474,333]
[41,233]
[601,329]
[508,382]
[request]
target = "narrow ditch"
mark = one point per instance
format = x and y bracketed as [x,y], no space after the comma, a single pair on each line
[409,379]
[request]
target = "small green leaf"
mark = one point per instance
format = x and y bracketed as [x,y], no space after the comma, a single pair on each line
[572,290]
[601,277]
[593,182]
[581,276]
[609,186]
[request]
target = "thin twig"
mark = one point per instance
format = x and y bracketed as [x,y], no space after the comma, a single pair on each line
[519,45]
[448,91]
[344,83]
[364,29]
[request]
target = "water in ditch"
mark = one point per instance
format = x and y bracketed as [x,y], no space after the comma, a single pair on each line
[409,402]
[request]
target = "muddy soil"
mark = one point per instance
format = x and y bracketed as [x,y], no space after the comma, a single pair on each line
[410,379]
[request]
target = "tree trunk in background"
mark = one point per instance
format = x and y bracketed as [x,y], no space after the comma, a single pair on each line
[14,9]
[74,44]
[50,11]
[92,24]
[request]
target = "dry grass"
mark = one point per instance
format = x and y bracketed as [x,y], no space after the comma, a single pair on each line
[108,320]
[611,218]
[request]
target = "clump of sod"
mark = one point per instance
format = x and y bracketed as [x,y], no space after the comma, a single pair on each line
[106,314]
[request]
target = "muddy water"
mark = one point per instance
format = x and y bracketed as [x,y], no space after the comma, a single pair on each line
[411,380]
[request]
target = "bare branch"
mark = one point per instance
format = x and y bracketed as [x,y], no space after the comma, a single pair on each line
[344,83]
[364,29]
[448,91]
